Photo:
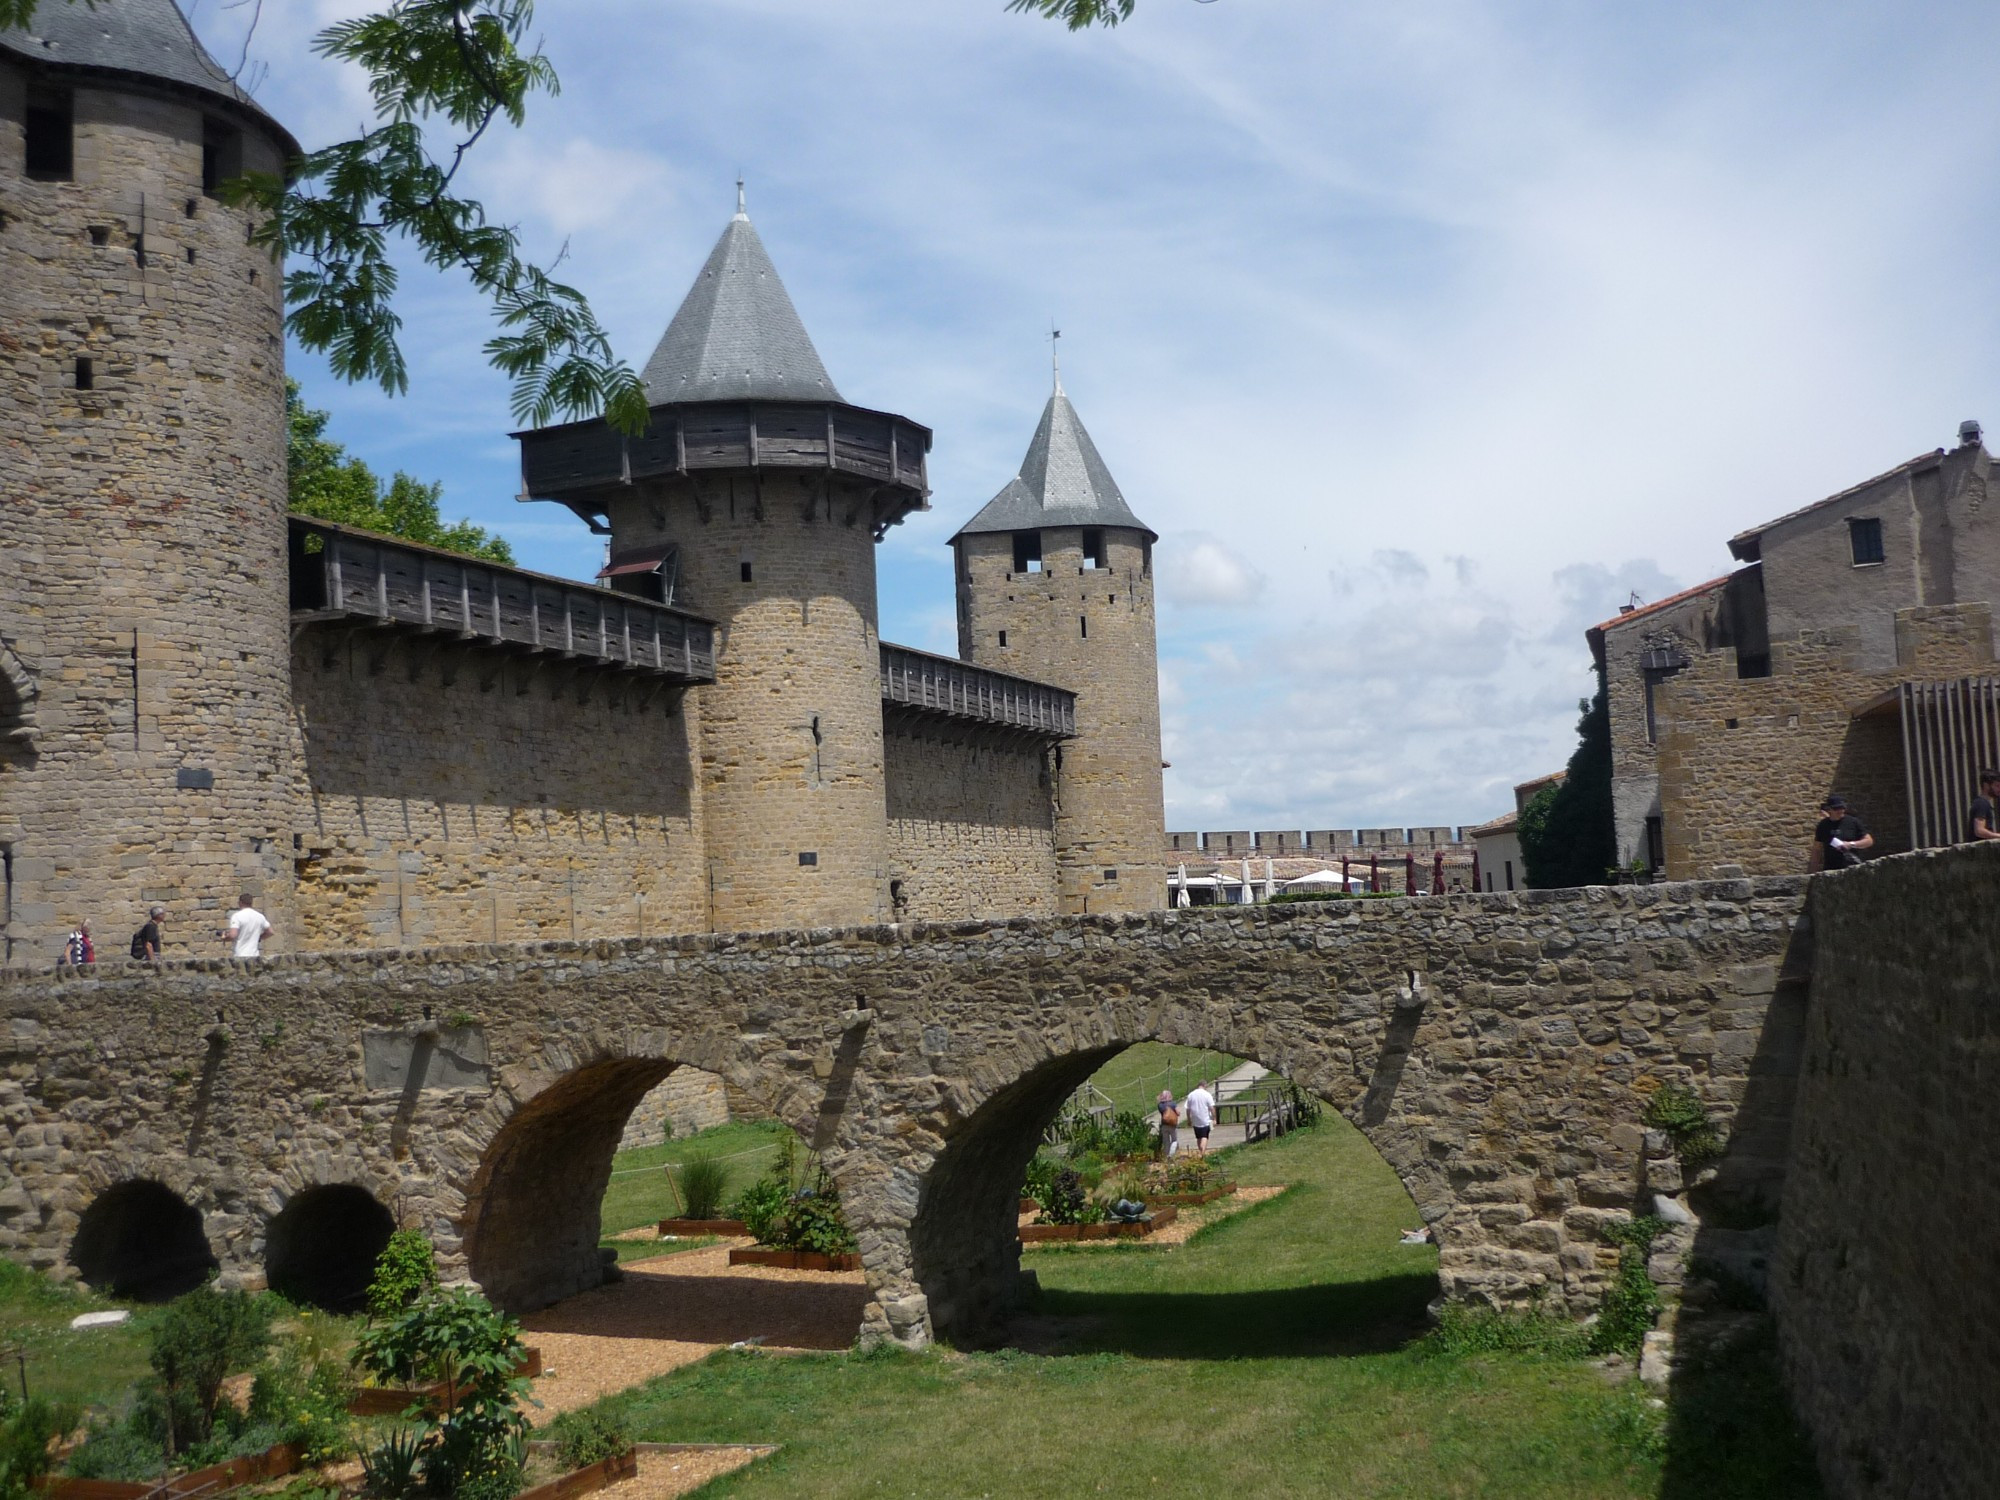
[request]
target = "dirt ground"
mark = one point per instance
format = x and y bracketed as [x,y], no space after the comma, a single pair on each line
[675,1309]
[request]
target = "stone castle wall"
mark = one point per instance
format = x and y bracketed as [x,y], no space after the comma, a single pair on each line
[971,826]
[1744,762]
[463,795]
[1089,630]
[142,592]
[1883,1283]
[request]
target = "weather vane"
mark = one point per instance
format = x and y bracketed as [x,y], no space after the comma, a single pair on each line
[1055,352]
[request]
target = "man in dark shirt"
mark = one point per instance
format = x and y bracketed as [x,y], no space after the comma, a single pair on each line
[1839,839]
[146,941]
[1980,822]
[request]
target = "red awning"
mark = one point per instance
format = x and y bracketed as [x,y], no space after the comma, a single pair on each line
[643,562]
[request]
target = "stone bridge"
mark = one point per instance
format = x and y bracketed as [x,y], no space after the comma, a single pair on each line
[272,1118]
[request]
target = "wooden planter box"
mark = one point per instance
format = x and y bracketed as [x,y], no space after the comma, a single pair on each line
[1188,1200]
[1158,1219]
[1030,1206]
[796,1260]
[597,1476]
[689,1228]
[272,1463]
[393,1401]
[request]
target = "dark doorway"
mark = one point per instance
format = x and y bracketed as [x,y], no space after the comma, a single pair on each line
[322,1247]
[141,1240]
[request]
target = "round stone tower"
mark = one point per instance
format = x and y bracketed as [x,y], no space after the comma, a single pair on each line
[1055,583]
[756,497]
[145,744]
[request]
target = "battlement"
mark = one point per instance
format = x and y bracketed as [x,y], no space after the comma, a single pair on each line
[1320,842]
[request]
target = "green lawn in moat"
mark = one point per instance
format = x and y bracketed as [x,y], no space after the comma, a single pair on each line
[1276,1354]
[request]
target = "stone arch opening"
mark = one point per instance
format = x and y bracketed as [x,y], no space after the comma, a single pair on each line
[531,1231]
[965,1251]
[17,705]
[141,1240]
[321,1247]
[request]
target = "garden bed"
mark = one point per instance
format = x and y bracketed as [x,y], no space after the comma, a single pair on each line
[253,1468]
[688,1228]
[1160,1219]
[393,1401]
[795,1260]
[598,1476]
[1190,1200]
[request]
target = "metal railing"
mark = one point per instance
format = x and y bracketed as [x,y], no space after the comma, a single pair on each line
[1950,731]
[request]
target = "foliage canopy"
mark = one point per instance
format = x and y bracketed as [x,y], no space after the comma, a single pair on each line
[326,482]
[1566,831]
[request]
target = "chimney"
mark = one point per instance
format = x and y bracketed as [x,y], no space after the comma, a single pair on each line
[1968,433]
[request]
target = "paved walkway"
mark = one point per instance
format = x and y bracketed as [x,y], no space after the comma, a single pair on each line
[1227,1087]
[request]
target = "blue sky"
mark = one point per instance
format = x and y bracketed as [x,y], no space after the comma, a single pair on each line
[1424,333]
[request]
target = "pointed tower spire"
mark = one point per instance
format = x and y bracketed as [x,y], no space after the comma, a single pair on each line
[737,336]
[1063,480]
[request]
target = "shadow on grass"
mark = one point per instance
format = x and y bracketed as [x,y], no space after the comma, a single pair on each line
[1339,1318]
[1731,1434]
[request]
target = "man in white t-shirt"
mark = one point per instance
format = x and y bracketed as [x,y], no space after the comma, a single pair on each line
[247,927]
[1201,1115]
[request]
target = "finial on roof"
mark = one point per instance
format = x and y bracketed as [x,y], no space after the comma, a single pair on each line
[741,211]
[1055,355]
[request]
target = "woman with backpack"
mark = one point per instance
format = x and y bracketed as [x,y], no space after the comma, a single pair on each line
[1170,1125]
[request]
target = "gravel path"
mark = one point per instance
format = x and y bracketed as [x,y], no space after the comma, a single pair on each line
[676,1309]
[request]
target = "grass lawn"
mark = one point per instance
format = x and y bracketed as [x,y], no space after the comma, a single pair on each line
[1275,1354]
[640,1192]
[89,1366]
[1135,1076]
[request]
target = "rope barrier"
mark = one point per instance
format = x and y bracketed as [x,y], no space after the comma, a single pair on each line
[732,1156]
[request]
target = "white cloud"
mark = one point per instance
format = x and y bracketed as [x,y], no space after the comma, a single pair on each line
[1197,570]
[1490,314]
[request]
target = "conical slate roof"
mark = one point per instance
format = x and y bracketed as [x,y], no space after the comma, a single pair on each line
[1063,482]
[737,336]
[147,38]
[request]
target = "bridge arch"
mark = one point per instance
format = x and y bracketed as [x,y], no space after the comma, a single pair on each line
[141,1239]
[964,1246]
[531,1220]
[321,1247]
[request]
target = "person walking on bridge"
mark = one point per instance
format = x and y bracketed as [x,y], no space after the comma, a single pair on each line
[1980,823]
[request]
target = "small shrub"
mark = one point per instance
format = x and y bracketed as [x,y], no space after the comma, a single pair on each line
[1039,1178]
[390,1467]
[459,1338]
[405,1270]
[1067,1202]
[109,1452]
[197,1342]
[814,1222]
[302,1395]
[587,1437]
[1632,1302]
[703,1180]
[26,1430]
[761,1206]
[1129,1134]
[1681,1114]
